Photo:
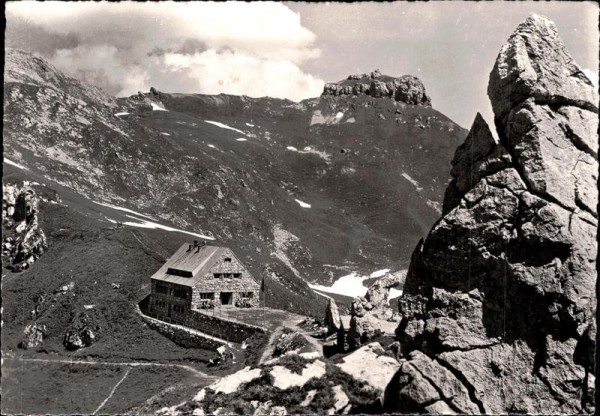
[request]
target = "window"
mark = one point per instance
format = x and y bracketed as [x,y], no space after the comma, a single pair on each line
[228,275]
[218,275]
[180,293]
[227,260]
[249,295]
[177,272]
[178,308]
[161,289]
[207,295]
[237,275]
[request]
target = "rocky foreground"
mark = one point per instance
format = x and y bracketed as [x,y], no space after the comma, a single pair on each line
[498,311]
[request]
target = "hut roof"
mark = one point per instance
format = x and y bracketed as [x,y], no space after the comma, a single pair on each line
[187,267]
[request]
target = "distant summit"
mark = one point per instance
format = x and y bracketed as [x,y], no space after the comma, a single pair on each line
[407,88]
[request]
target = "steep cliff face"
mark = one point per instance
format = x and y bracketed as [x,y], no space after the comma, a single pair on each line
[407,88]
[23,241]
[498,311]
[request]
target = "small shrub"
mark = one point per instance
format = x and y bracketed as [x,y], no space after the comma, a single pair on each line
[293,362]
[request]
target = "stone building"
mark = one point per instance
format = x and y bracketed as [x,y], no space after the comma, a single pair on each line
[198,277]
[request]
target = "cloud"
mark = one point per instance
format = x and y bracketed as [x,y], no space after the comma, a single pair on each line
[239,48]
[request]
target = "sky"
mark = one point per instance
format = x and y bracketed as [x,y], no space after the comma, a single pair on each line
[289,50]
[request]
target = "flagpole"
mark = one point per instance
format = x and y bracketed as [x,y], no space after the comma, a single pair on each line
[262,286]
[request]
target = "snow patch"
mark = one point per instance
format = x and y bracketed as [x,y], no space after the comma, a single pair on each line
[292,148]
[241,139]
[323,155]
[322,294]
[223,126]
[339,115]
[122,114]
[351,120]
[350,285]
[16,165]
[249,125]
[155,226]
[122,209]
[302,204]
[156,107]
[394,293]
[165,134]
[411,180]
[212,146]
[379,273]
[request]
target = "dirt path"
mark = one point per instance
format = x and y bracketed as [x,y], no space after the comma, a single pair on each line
[116,386]
[124,364]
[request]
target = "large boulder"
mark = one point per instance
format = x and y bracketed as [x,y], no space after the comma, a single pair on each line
[332,317]
[378,293]
[370,365]
[501,293]
[81,332]
[362,330]
[33,335]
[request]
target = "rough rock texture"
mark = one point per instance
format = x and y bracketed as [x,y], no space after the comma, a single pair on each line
[33,335]
[362,330]
[80,333]
[407,88]
[332,317]
[289,342]
[367,312]
[499,302]
[369,365]
[23,240]
[378,292]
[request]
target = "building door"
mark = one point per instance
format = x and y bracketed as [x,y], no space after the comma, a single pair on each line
[169,310]
[226,298]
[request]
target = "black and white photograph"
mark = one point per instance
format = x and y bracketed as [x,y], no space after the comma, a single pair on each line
[299,208]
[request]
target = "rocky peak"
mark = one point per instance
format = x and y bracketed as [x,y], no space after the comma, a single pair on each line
[534,63]
[407,88]
[502,291]
[25,68]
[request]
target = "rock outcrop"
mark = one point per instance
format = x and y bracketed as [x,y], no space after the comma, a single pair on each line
[33,335]
[80,333]
[407,88]
[332,317]
[23,239]
[367,312]
[499,302]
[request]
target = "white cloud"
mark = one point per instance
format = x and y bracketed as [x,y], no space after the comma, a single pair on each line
[254,49]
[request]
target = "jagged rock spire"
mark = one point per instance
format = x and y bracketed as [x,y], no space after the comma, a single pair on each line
[501,293]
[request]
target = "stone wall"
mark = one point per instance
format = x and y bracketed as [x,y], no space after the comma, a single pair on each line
[226,329]
[182,337]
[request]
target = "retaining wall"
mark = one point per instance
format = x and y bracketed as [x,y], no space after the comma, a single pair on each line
[181,336]
[230,330]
